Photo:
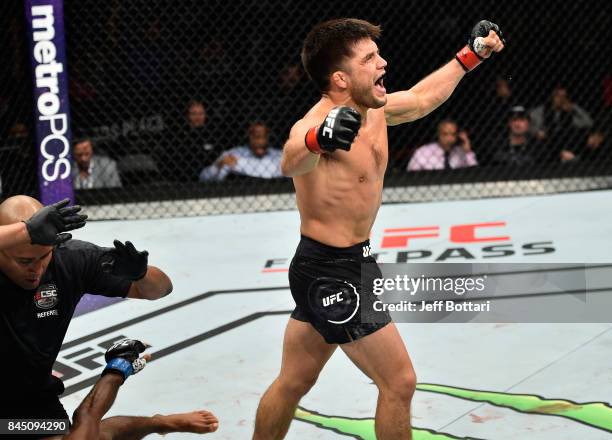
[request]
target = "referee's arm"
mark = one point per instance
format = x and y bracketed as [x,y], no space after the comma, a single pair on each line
[154,285]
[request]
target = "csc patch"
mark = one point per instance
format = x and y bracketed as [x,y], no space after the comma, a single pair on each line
[46,296]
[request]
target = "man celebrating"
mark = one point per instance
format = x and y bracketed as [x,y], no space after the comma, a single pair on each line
[41,287]
[337,155]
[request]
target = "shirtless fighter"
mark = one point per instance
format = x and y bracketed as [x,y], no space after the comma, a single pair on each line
[337,155]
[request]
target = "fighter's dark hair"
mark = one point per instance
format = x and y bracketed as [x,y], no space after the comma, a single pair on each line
[329,43]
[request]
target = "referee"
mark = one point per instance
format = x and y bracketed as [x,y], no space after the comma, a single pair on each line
[42,282]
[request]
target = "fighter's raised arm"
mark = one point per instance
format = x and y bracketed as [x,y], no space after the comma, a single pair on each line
[433,90]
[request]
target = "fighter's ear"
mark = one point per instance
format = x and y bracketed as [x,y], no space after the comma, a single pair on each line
[339,78]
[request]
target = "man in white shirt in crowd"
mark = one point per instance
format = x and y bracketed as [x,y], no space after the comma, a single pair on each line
[453,149]
[256,159]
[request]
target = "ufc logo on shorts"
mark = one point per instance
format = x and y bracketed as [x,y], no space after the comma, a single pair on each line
[329,123]
[335,298]
[367,251]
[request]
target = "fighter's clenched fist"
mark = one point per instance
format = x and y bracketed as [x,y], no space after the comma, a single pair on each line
[337,131]
[123,358]
[485,38]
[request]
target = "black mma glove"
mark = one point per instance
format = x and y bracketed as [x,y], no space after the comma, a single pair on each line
[126,262]
[47,225]
[123,358]
[468,56]
[337,132]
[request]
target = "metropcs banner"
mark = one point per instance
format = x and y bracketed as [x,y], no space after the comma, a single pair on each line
[45,26]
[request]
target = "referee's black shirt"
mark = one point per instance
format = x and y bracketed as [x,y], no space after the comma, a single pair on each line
[33,323]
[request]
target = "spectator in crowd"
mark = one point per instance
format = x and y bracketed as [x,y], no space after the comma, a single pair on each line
[291,100]
[85,104]
[92,170]
[256,159]
[188,147]
[213,61]
[491,121]
[147,53]
[592,150]
[18,162]
[453,149]
[518,147]
[560,120]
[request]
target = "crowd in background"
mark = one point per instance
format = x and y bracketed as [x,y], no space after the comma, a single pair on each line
[223,87]
[557,132]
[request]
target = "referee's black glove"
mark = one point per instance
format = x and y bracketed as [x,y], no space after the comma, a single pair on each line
[127,262]
[48,225]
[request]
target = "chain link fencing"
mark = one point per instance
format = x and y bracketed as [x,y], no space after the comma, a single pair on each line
[182,108]
[17,149]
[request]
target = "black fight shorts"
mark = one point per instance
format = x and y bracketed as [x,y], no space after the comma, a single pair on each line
[326,285]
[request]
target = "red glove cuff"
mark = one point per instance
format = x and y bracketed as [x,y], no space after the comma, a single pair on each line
[311,141]
[468,58]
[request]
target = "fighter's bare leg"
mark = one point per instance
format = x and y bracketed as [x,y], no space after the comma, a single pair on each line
[135,428]
[383,357]
[305,352]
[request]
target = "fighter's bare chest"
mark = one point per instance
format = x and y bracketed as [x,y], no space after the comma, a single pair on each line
[367,158]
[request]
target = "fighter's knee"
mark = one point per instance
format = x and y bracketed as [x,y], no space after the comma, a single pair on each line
[297,387]
[401,386]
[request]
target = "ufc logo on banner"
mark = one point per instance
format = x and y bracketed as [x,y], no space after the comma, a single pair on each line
[467,233]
